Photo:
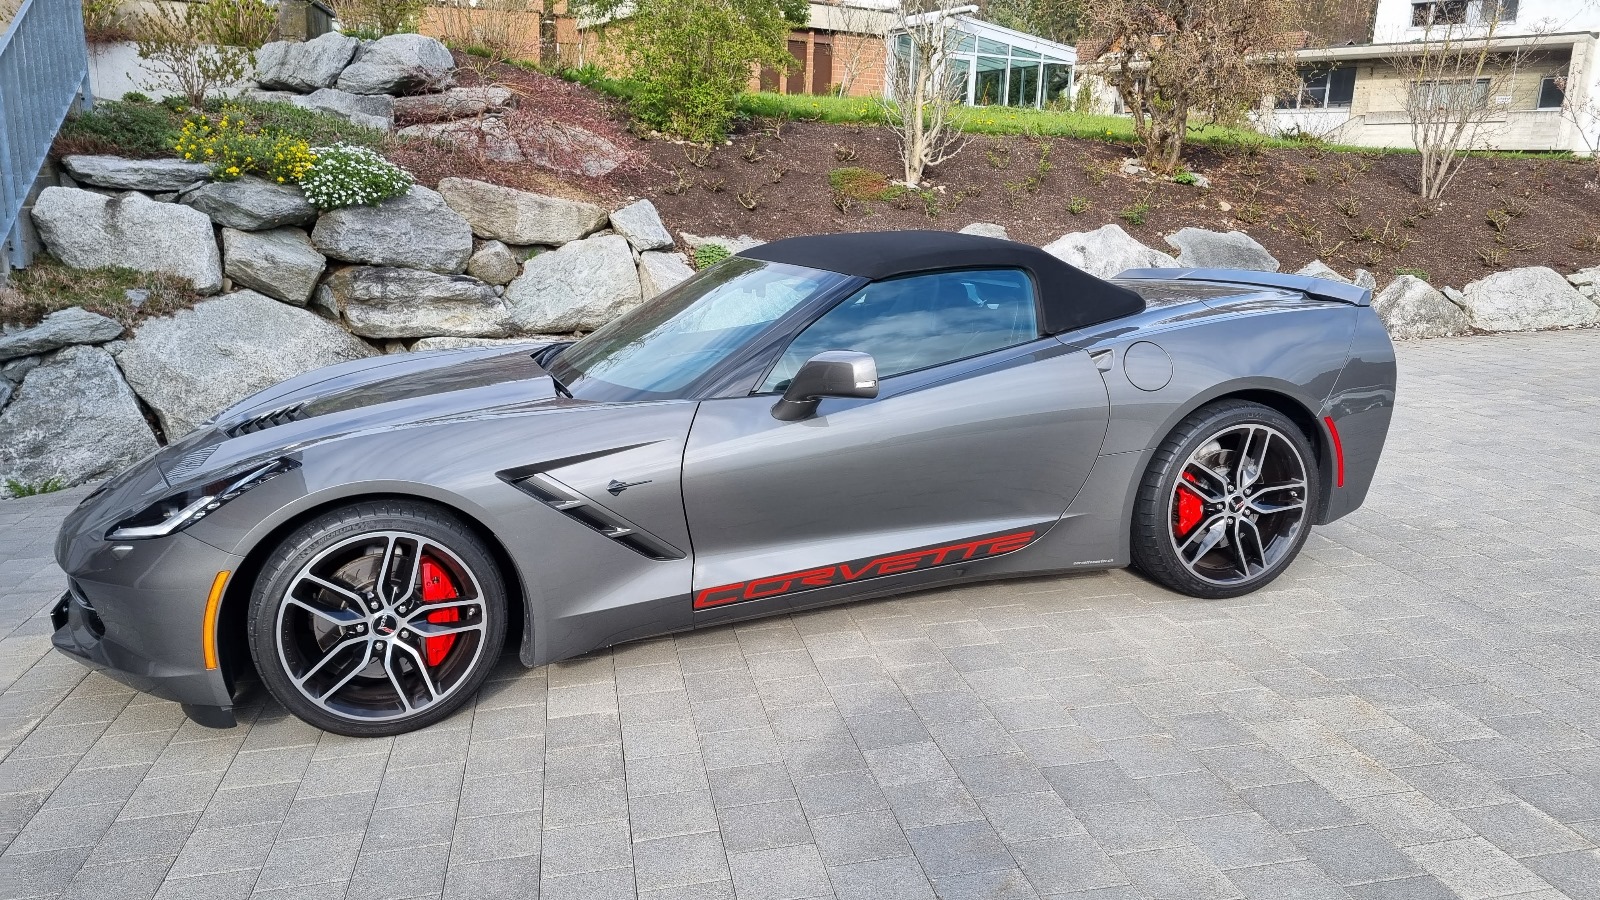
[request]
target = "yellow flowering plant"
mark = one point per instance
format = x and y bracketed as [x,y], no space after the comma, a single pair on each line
[234,146]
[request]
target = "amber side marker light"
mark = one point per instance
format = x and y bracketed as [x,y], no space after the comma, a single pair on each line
[208,640]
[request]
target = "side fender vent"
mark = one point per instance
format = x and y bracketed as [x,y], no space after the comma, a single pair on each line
[596,518]
[280,416]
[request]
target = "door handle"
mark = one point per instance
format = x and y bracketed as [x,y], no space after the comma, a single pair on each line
[1101,360]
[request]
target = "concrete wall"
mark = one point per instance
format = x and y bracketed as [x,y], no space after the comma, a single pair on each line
[1377,114]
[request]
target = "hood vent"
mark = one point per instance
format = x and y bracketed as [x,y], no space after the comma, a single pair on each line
[283,415]
[189,463]
[575,506]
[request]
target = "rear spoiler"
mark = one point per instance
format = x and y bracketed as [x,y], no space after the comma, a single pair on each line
[1320,288]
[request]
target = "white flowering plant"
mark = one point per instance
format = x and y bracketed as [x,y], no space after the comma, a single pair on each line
[345,175]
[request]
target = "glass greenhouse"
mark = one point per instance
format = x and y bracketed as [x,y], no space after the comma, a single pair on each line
[1002,67]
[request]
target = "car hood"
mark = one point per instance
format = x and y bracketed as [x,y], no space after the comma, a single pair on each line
[396,391]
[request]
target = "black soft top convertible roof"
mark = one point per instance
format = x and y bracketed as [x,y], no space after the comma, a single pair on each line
[1069,297]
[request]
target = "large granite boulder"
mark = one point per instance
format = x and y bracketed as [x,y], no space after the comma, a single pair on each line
[577,287]
[1587,281]
[416,231]
[494,263]
[251,204]
[1202,249]
[659,271]
[455,103]
[86,230]
[731,244]
[280,263]
[386,302]
[73,419]
[1411,308]
[62,328]
[520,217]
[375,111]
[987,229]
[190,366]
[514,137]
[304,66]
[399,64]
[1527,299]
[1319,269]
[640,223]
[116,173]
[1107,251]
[458,343]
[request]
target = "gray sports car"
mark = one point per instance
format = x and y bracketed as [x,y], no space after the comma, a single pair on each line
[812,421]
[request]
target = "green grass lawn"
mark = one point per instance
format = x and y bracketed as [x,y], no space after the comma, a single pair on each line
[995,120]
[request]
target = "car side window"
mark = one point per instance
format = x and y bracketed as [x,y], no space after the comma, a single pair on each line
[920,321]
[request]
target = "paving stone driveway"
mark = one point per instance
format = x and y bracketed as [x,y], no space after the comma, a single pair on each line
[1413,711]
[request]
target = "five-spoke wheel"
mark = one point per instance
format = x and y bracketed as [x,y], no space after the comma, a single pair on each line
[1227,502]
[377,618]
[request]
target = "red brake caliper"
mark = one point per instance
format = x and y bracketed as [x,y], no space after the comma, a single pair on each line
[1190,507]
[436,586]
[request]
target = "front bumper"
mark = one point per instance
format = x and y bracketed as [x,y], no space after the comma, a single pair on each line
[140,620]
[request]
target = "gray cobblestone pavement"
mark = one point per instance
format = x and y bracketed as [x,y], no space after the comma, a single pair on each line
[1412,712]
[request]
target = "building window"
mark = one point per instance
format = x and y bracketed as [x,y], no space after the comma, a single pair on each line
[1462,93]
[1323,88]
[1552,92]
[1425,13]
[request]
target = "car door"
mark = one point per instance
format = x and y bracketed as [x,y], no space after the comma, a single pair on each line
[981,434]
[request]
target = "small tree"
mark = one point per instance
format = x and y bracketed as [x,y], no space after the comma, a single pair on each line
[205,46]
[1454,80]
[691,59]
[1177,62]
[858,41]
[376,18]
[923,95]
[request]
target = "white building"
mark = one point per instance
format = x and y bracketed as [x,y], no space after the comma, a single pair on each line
[1542,88]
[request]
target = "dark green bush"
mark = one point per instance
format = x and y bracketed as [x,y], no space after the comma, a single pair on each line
[136,129]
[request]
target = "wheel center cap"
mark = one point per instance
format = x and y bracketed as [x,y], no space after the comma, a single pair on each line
[385,626]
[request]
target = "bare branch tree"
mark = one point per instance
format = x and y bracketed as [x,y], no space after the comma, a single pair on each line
[1179,62]
[1457,83]
[858,41]
[923,95]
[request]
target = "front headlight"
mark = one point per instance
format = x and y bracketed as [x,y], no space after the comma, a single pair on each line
[178,511]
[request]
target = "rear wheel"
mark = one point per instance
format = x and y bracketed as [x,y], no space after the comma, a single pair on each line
[378,618]
[1227,502]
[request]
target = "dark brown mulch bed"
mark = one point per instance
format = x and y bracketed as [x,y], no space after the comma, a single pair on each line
[1350,210]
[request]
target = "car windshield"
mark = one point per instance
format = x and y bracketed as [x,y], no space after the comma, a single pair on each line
[659,349]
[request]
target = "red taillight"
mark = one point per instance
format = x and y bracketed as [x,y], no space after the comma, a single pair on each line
[436,586]
[1338,448]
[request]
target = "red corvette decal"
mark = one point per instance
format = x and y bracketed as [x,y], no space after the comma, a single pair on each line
[861,569]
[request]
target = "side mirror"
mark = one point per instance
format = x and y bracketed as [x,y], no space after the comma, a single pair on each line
[832,373]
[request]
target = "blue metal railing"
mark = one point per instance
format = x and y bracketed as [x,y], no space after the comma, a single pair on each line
[44,69]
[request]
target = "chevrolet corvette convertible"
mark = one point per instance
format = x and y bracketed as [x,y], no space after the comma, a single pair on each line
[812,421]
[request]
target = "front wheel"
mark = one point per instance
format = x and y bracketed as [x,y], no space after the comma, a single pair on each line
[377,618]
[1227,502]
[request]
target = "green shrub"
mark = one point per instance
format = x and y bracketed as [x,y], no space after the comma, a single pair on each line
[344,175]
[708,255]
[691,59]
[313,126]
[234,146]
[1184,176]
[137,130]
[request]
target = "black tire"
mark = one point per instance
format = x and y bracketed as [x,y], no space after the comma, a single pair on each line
[324,591]
[1164,538]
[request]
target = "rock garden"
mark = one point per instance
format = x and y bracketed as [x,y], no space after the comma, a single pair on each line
[289,257]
